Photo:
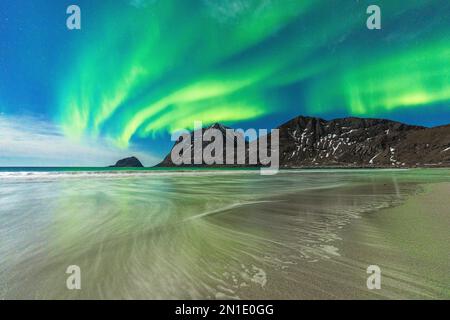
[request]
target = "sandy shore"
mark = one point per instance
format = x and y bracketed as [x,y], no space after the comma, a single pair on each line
[410,243]
[312,238]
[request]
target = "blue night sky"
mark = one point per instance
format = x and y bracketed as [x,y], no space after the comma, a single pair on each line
[139,70]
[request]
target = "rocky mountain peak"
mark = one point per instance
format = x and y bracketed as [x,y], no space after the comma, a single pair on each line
[357,142]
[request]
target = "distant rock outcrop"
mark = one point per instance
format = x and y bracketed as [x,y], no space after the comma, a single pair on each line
[356,142]
[131,162]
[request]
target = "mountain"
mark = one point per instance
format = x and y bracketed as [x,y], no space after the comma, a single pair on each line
[131,162]
[355,142]
[227,138]
[306,141]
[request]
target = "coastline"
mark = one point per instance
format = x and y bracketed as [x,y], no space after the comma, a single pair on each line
[409,242]
[303,235]
[207,168]
[417,235]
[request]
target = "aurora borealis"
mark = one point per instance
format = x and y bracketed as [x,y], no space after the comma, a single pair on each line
[141,69]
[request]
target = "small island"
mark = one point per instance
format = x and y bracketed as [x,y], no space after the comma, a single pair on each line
[131,162]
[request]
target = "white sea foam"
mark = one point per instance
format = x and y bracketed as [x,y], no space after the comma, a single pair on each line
[118,174]
[142,173]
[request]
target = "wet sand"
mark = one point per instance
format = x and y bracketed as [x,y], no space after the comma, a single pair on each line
[226,235]
[410,242]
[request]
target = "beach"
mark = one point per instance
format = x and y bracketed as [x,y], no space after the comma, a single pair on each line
[225,234]
[409,242]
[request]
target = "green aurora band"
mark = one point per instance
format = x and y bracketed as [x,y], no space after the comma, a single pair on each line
[159,67]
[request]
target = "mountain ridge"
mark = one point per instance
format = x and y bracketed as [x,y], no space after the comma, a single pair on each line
[353,142]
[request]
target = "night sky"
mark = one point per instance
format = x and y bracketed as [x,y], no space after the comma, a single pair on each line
[139,70]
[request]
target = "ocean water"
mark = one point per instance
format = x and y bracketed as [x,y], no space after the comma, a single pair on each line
[213,234]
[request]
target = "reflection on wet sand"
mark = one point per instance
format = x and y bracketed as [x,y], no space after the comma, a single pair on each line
[300,234]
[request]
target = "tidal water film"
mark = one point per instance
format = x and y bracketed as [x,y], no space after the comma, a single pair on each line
[228,234]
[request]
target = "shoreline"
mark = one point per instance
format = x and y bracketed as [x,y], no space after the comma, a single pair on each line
[417,233]
[311,237]
[409,242]
[409,246]
[212,168]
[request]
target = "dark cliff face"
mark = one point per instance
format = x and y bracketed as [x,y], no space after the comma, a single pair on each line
[357,142]
[426,147]
[131,162]
[361,142]
[342,142]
